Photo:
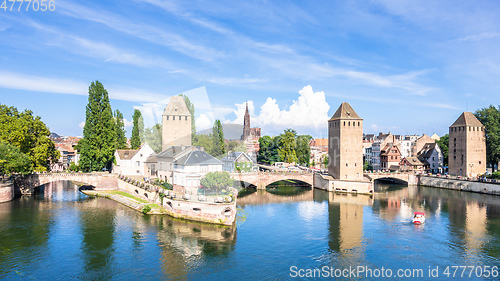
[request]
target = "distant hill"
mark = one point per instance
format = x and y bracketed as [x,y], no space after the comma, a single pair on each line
[231,131]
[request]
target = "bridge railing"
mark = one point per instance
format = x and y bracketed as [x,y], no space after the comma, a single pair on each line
[93,174]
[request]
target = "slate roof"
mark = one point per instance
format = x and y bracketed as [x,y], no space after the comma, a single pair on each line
[427,150]
[233,156]
[197,157]
[177,106]
[345,111]
[173,151]
[467,119]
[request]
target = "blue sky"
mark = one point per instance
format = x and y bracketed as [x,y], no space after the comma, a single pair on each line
[405,66]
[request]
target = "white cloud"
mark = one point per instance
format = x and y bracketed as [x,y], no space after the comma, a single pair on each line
[127,124]
[308,112]
[203,123]
[482,36]
[82,124]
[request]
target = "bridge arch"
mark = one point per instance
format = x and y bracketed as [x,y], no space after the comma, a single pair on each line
[390,180]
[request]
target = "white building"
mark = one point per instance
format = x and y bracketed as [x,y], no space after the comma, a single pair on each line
[131,162]
[193,166]
[433,155]
[182,165]
[406,145]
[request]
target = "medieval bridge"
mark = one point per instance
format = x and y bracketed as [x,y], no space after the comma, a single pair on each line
[101,181]
[263,179]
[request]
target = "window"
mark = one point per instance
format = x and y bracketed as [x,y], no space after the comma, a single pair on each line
[358,124]
[186,118]
[344,123]
[138,163]
[479,162]
[349,123]
[167,117]
[173,118]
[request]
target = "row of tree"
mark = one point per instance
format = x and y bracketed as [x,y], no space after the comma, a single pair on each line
[286,147]
[25,145]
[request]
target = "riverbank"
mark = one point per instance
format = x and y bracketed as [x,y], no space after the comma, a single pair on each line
[128,200]
[461,185]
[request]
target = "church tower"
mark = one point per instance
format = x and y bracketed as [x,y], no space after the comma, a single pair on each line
[345,144]
[246,125]
[176,123]
[467,147]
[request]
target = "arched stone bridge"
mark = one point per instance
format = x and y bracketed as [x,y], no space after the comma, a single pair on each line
[101,181]
[408,178]
[263,179]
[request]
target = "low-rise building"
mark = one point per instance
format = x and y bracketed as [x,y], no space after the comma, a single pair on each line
[390,156]
[432,154]
[237,161]
[131,162]
[416,164]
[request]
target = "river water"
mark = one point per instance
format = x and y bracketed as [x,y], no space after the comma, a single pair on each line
[62,234]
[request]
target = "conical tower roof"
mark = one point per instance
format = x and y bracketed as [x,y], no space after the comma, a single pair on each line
[177,106]
[467,119]
[345,111]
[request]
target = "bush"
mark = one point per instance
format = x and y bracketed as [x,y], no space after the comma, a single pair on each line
[495,175]
[146,209]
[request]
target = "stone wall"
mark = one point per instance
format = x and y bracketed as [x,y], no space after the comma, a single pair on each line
[328,183]
[6,192]
[190,210]
[471,186]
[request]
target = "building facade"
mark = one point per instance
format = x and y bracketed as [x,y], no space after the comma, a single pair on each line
[467,147]
[176,123]
[432,154]
[345,144]
[131,162]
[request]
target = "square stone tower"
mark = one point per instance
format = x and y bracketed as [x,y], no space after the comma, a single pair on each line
[345,144]
[176,128]
[467,147]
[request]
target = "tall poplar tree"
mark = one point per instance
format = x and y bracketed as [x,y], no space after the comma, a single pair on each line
[121,140]
[137,130]
[99,133]
[219,143]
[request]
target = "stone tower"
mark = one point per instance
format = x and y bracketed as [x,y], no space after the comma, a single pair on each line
[345,144]
[467,147]
[176,123]
[246,125]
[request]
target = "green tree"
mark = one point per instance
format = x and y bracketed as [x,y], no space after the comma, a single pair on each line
[219,143]
[367,166]
[30,135]
[325,161]
[137,130]
[288,143]
[490,117]
[303,149]
[153,136]
[190,107]
[98,144]
[236,146]
[268,149]
[443,144]
[216,181]
[13,161]
[121,140]
[204,141]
